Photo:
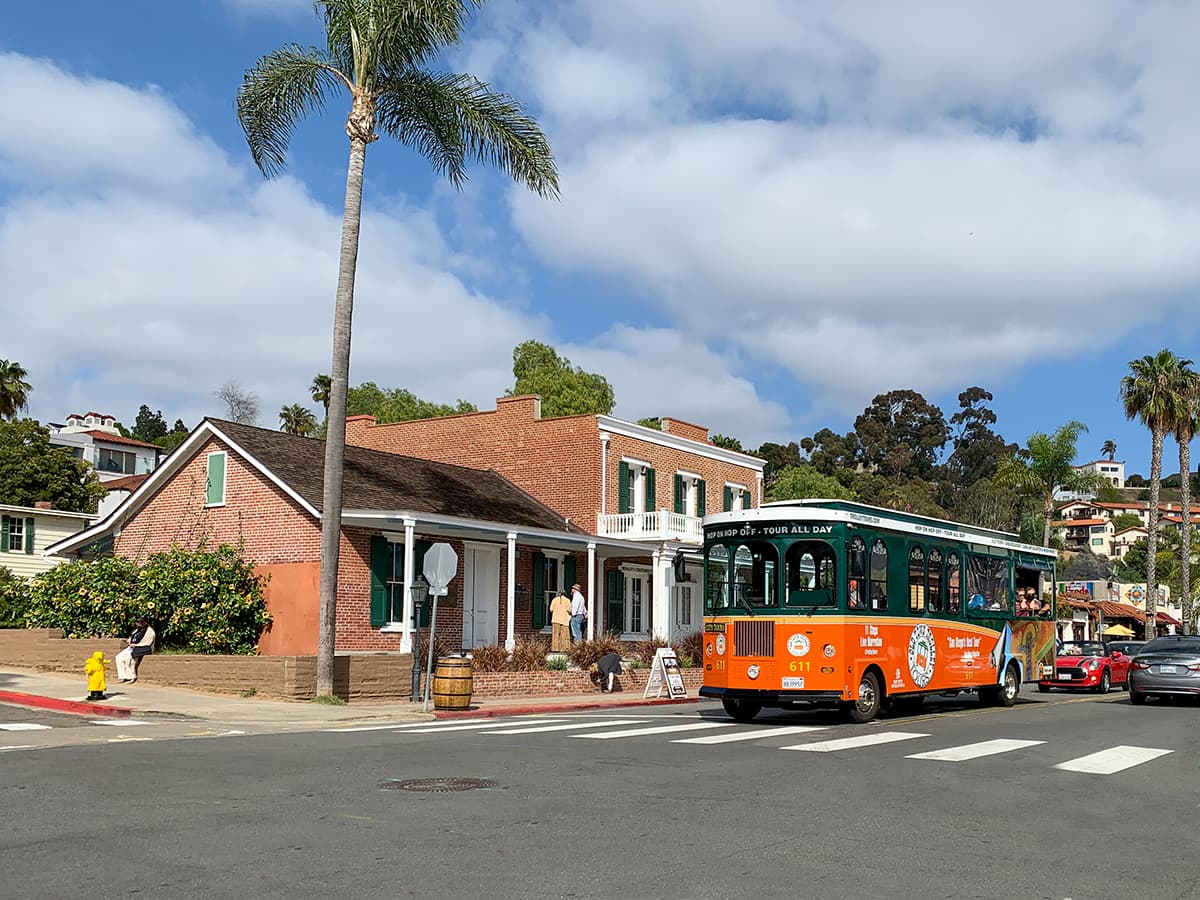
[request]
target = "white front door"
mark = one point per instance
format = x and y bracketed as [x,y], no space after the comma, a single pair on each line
[481,595]
[637,602]
[684,616]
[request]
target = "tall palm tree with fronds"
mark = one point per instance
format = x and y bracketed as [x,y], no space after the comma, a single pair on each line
[295,419]
[14,389]
[1185,430]
[1154,392]
[378,52]
[320,391]
[1046,465]
[1108,448]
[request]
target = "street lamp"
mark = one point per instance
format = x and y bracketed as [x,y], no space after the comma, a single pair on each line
[420,594]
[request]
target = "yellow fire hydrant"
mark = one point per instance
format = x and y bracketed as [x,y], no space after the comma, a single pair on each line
[94,670]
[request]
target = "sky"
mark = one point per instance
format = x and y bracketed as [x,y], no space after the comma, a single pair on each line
[770,212]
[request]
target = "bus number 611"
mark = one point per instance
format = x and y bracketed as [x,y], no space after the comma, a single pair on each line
[800,665]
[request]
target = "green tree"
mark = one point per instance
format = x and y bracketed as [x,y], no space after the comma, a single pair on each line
[986,504]
[320,391]
[803,482]
[295,419]
[977,448]
[149,426]
[565,390]
[1046,464]
[174,437]
[1121,521]
[1157,391]
[1109,449]
[1086,566]
[379,51]
[831,453]
[14,389]
[901,433]
[654,422]
[728,443]
[398,405]
[778,457]
[31,469]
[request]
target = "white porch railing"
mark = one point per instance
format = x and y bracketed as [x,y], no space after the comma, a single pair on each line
[658,525]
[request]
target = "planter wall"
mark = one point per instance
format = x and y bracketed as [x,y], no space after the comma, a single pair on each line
[549,684]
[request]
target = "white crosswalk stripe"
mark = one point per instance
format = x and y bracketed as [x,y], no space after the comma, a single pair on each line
[658,729]
[975,751]
[569,726]
[22,726]
[853,743]
[1112,760]
[473,726]
[757,734]
[119,723]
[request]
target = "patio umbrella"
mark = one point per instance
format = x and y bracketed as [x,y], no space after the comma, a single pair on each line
[1118,630]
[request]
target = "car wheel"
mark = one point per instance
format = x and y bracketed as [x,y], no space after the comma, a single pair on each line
[1044,688]
[866,707]
[741,710]
[1137,698]
[1105,684]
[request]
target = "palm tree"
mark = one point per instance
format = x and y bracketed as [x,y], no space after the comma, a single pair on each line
[1154,392]
[320,391]
[1185,430]
[1047,465]
[295,419]
[1108,448]
[378,51]
[14,389]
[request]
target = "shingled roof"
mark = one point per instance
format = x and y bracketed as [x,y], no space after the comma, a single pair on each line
[376,480]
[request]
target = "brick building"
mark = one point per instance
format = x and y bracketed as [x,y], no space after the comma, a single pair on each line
[261,490]
[616,479]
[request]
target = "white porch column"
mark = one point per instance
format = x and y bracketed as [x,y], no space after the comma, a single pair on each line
[591,590]
[661,593]
[406,635]
[510,630]
[758,479]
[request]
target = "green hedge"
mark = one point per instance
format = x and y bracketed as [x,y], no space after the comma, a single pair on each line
[14,599]
[199,601]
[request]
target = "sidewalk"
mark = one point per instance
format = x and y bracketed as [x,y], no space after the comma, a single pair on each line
[64,693]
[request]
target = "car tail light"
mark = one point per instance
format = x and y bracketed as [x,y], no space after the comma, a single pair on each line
[1138,664]
[1195,668]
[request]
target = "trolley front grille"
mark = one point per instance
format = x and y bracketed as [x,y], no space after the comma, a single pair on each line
[754,639]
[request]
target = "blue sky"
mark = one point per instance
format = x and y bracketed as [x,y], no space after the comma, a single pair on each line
[765,220]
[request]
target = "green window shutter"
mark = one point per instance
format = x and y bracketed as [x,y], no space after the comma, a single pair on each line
[215,490]
[614,618]
[678,496]
[420,548]
[4,533]
[727,499]
[29,535]
[568,573]
[745,499]
[700,509]
[379,575]
[651,500]
[623,504]
[539,589]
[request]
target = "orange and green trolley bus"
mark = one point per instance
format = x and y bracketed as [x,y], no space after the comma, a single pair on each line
[835,603]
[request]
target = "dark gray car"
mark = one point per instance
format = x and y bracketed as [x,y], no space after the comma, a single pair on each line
[1166,666]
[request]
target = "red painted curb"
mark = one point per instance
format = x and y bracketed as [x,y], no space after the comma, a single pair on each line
[72,706]
[484,712]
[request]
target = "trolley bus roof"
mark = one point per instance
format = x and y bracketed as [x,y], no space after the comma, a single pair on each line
[863,514]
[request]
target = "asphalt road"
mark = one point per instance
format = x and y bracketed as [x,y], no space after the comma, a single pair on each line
[304,815]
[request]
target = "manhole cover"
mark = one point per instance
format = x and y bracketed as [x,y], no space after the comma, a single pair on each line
[437,785]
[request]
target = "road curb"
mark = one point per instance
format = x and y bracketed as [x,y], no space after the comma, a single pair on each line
[37,701]
[537,708]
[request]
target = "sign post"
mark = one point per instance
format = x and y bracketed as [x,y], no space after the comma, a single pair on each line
[441,564]
[665,674]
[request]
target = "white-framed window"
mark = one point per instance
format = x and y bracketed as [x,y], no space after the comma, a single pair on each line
[116,461]
[689,484]
[683,606]
[16,534]
[736,497]
[635,477]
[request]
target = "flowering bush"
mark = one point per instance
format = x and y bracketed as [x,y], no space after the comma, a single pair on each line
[14,599]
[199,601]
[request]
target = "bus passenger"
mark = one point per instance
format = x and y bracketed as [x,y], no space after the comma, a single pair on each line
[1023,606]
[976,602]
[855,595]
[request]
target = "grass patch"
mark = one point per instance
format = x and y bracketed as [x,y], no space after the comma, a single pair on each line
[249,692]
[329,700]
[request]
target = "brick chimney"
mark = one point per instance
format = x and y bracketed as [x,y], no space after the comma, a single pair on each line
[523,408]
[357,427]
[683,429]
[43,504]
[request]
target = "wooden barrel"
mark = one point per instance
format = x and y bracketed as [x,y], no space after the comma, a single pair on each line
[452,683]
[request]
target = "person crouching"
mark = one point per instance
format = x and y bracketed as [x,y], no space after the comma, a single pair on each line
[610,667]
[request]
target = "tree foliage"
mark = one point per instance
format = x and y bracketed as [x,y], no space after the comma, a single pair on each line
[31,469]
[728,443]
[14,389]
[901,434]
[804,482]
[565,390]
[1121,521]
[14,599]
[295,419]
[778,457]
[1086,566]
[149,426]
[398,404]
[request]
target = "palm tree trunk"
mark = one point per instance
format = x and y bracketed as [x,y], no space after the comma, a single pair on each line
[1047,514]
[1156,445]
[1185,536]
[335,433]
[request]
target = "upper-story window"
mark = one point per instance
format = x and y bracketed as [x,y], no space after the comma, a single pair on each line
[635,487]
[736,497]
[116,461]
[688,493]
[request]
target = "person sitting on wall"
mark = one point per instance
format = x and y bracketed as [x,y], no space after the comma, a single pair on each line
[138,644]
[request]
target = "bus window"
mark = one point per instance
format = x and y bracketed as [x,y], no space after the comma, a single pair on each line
[754,567]
[987,584]
[916,580]
[953,583]
[856,566]
[935,580]
[716,595]
[879,585]
[809,574]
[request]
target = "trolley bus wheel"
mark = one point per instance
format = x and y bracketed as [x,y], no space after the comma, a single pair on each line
[1005,694]
[741,710]
[869,701]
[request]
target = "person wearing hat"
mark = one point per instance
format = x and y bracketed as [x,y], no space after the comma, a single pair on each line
[578,613]
[560,623]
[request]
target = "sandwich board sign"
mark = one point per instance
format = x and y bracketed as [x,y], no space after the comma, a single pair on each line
[665,674]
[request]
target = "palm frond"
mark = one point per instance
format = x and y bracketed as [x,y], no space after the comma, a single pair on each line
[281,89]
[450,119]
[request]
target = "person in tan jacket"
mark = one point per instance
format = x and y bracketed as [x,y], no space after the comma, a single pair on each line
[560,623]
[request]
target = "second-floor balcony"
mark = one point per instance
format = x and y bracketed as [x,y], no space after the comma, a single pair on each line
[657,525]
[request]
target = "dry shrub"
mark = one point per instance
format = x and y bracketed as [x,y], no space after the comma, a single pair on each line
[490,658]
[644,651]
[585,654]
[529,655]
[441,648]
[690,649]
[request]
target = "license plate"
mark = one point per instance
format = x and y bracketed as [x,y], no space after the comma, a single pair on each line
[793,684]
[1064,677]
[1167,670]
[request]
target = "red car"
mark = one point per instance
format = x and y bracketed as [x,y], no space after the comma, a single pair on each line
[1088,664]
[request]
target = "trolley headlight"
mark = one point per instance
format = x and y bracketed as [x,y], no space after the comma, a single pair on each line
[752,672]
[720,645]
